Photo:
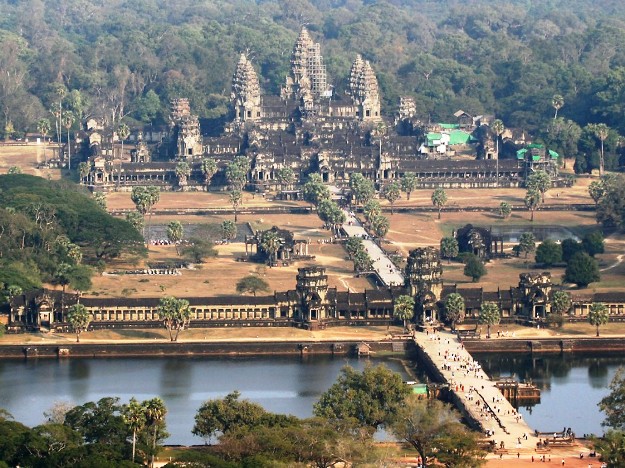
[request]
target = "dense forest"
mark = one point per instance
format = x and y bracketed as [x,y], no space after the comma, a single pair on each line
[51,232]
[127,59]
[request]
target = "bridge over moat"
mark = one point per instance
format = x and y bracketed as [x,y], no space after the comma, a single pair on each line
[477,396]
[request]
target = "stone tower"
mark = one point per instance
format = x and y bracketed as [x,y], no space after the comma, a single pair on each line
[312,289]
[186,130]
[363,87]
[245,92]
[308,79]
[537,294]
[423,279]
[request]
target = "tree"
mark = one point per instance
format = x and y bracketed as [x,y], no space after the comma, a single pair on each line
[498,128]
[136,220]
[175,314]
[197,250]
[532,201]
[569,248]
[362,261]
[557,102]
[236,199]
[236,173]
[175,233]
[362,188]
[183,171]
[613,404]
[539,181]
[596,190]
[286,177]
[560,302]
[439,199]
[474,268]
[454,309]
[270,243]
[209,169]
[449,248]
[527,243]
[372,397]
[408,183]
[581,270]
[155,411]
[611,447]
[134,416]
[144,199]
[505,210]
[391,192]
[600,131]
[253,284]
[314,190]
[371,209]
[100,199]
[68,121]
[43,127]
[353,245]
[380,226]
[229,414]
[593,243]
[123,132]
[228,229]
[78,318]
[549,253]
[434,430]
[489,315]
[404,308]
[100,423]
[598,314]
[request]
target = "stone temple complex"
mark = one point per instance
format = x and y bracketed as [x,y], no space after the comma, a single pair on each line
[310,127]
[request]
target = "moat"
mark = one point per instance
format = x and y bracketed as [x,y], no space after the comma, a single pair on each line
[282,384]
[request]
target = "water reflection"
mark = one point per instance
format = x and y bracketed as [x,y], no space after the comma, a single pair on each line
[280,384]
[571,387]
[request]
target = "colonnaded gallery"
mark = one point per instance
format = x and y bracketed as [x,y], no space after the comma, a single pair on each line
[314,305]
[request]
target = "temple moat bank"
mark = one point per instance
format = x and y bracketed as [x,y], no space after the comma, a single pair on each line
[333,347]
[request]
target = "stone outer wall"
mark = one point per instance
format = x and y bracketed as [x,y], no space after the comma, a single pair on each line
[546,346]
[162,349]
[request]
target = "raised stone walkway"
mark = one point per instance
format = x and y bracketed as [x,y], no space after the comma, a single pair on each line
[474,392]
[388,273]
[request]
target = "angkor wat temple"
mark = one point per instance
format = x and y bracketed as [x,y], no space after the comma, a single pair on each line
[309,128]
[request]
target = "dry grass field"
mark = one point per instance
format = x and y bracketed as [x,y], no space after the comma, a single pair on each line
[27,157]
[218,276]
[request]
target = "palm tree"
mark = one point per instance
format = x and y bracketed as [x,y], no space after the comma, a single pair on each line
[532,200]
[134,417]
[43,127]
[209,168]
[236,198]
[557,102]
[497,128]
[155,412]
[270,243]
[404,308]
[68,121]
[123,132]
[601,131]
[439,198]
